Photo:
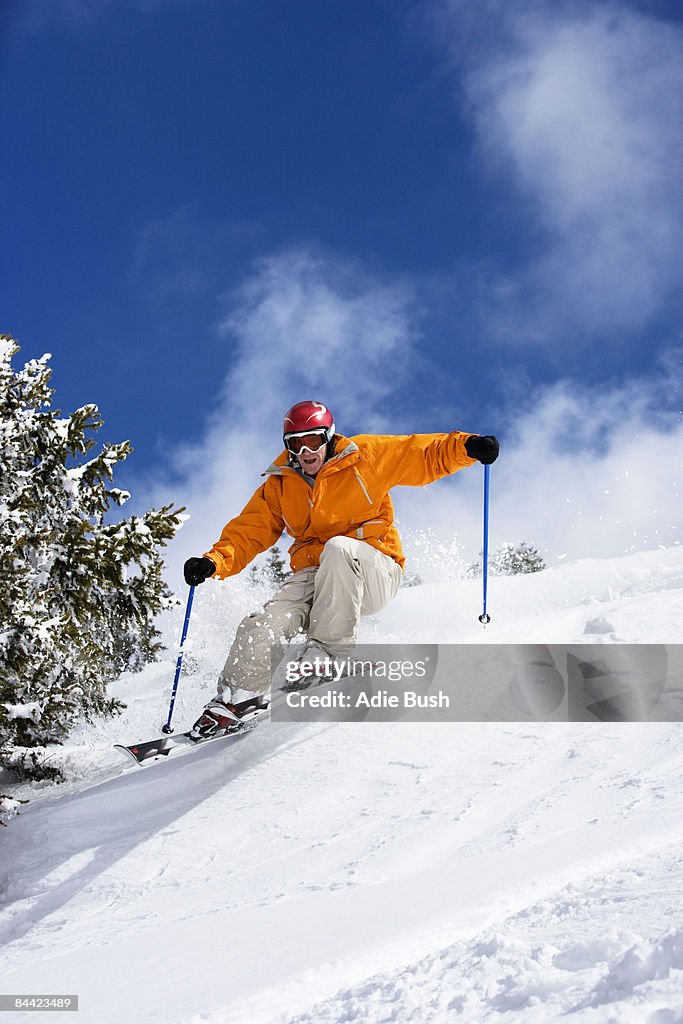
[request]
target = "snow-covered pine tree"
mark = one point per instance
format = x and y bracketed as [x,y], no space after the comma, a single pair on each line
[511,560]
[79,595]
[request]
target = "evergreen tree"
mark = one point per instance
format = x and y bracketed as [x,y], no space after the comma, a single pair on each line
[79,595]
[511,560]
[273,571]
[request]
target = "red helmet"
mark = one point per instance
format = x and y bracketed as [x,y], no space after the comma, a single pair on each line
[305,417]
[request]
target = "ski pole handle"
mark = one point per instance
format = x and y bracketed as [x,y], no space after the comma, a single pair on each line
[179,663]
[484,617]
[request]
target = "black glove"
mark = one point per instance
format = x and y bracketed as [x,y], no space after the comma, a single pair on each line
[483,448]
[197,570]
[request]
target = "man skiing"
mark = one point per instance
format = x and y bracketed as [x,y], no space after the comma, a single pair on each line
[331,494]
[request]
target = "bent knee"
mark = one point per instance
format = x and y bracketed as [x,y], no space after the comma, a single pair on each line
[337,546]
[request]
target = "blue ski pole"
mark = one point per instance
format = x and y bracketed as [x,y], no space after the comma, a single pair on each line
[179,663]
[484,618]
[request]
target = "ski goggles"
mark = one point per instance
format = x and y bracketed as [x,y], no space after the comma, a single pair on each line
[311,441]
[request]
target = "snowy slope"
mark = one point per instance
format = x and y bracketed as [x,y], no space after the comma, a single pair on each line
[633,599]
[369,872]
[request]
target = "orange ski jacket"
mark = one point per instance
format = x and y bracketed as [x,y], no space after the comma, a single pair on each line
[350,498]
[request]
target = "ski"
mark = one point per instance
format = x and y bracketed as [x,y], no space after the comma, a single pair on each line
[158,749]
[251,713]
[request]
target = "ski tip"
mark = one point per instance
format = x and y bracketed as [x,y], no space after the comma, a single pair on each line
[127,753]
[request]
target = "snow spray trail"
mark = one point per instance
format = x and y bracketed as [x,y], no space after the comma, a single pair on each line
[52,851]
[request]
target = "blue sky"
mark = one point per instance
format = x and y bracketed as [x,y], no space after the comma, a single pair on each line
[430,215]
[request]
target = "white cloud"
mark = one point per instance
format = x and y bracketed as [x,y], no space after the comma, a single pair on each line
[579,108]
[305,322]
[584,472]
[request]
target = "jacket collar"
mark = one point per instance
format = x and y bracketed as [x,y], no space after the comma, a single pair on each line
[344,450]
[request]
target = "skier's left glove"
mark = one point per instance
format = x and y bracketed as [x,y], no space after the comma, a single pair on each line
[196,570]
[483,448]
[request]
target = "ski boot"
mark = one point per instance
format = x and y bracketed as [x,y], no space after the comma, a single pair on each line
[319,664]
[218,718]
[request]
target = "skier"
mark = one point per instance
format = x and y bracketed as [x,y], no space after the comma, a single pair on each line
[331,494]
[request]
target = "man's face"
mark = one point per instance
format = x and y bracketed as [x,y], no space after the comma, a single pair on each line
[308,449]
[312,462]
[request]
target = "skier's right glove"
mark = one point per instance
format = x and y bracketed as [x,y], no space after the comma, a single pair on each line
[197,570]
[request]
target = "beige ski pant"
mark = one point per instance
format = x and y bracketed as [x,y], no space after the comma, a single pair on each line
[325,602]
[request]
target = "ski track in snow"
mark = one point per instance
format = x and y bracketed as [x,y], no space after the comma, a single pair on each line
[371,872]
